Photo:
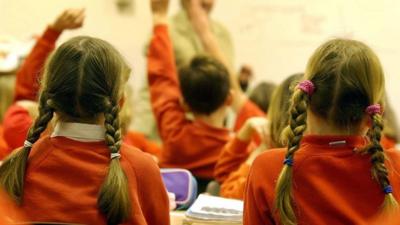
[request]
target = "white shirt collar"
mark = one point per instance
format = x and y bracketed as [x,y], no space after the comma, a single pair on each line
[79,131]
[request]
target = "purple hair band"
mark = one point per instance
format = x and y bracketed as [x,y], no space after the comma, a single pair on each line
[307,87]
[373,109]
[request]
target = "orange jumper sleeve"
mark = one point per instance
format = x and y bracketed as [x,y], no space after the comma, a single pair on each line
[248,110]
[234,153]
[27,84]
[17,120]
[164,85]
[234,185]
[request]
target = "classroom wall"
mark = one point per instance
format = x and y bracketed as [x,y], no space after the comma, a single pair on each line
[276,37]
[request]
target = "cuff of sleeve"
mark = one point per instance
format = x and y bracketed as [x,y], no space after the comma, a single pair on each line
[51,35]
[160,28]
[239,146]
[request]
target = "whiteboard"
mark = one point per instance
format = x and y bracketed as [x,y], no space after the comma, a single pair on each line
[277,37]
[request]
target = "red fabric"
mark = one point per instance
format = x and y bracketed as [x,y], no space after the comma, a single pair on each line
[192,145]
[248,110]
[27,84]
[3,145]
[387,143]
[141,142]
[234,153]
[64,176]
[331,184]
[16,126]
[231,170]
[9,213]
[234,185]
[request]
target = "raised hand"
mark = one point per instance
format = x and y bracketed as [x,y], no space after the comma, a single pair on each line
[69,19]
[255,125]
[159,9]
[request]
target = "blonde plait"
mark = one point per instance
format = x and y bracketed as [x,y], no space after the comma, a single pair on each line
[114,200]
[294,133]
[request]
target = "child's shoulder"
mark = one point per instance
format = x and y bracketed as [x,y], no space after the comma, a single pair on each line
[394,155]
[137,159]
[272,158]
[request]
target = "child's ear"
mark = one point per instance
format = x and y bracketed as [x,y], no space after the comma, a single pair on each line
[229,99]
[184,105]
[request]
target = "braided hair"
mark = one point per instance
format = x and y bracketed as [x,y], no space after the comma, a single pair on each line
[83,80]
[347,77]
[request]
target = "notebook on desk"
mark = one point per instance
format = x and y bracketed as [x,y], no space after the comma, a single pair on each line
[215,209]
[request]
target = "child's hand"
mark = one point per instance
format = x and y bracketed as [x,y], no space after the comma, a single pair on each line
[159,9]
[69,19]
[255,125]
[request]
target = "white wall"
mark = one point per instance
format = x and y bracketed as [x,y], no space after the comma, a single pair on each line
[276,37]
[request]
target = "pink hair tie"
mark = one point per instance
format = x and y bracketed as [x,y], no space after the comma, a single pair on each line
[373,109]
[307,86]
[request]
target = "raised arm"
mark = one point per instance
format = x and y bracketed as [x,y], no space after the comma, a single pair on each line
[201,25]
[19,116]
[162,75]
[28,76]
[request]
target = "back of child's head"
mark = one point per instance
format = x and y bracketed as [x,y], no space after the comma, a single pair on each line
[342,79]
[204,84]
[261,95]
[83,80]
[279,107]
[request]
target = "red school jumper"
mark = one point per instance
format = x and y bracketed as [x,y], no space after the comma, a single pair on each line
[193,145]
[231,170]
[332,183]
[64,176]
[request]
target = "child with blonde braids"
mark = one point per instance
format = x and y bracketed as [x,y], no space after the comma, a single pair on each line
[334,170]
[238,154]
[82,172]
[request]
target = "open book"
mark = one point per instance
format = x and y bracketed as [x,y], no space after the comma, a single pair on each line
[216,209]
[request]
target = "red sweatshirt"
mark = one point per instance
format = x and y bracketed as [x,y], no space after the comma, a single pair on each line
[140,141]
[234,153]
[9,213]
[231,169]
[332,184]
[17,119]
[64,176]
[192,145]
[4,150]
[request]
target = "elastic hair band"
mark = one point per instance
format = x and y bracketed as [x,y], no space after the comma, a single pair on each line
[307,87]
[388,189]
[288,161]
[115,155]
[27,144]
[373,109]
